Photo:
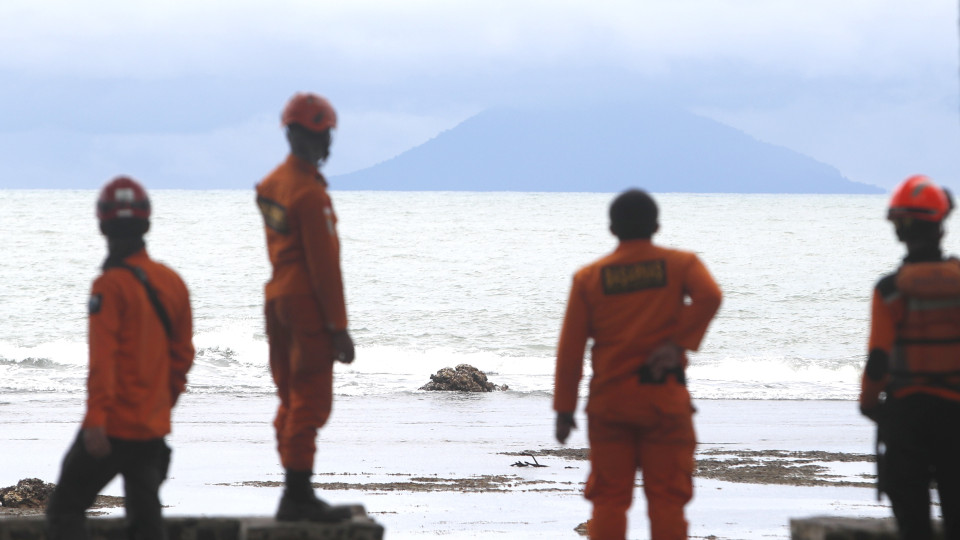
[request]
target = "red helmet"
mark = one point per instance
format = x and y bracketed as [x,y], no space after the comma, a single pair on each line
[310,111]
[918,197]
[123,197]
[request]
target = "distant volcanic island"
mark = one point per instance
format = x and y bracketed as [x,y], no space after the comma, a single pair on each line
[600,149]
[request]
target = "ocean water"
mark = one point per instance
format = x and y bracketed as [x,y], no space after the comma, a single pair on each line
[436,279]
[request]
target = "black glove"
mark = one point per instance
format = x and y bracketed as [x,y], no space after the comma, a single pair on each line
[565,423]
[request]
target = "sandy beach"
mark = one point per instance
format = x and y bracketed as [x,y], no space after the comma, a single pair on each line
[461,466]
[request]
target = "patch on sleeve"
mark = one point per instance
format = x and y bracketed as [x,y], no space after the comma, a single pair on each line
[93,305]
[331,221]
[630,278]
[274,215]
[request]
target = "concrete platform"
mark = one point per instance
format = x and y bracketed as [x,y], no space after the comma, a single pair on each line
[839,528]
[360,527]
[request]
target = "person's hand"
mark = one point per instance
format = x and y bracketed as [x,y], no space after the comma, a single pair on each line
[872,407]
[96,442]
[871,412]
[565,423]
[343,350]
[665,357]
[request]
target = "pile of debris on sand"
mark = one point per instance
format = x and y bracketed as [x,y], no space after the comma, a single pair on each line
[29,497]
[28,493]
[463,378]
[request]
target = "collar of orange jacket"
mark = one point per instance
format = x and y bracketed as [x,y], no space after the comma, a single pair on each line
[137,256]
[633,244]
[307,167]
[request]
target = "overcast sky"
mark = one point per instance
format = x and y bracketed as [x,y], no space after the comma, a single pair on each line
[189,91]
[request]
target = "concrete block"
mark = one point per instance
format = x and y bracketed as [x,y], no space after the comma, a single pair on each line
[193,528]
[360,527]
[22,528]
[840,528]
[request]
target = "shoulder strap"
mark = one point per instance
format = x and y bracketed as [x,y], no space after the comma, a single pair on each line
[152,294]
[887,287]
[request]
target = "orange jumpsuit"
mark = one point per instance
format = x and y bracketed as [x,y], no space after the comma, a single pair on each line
[630,302]
[304,303]
[136,375]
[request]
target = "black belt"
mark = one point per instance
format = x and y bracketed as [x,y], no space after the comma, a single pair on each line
[646,377]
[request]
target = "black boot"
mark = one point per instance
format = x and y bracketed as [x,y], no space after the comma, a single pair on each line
[299,503]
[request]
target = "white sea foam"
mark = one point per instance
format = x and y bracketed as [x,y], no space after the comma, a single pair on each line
[238,366]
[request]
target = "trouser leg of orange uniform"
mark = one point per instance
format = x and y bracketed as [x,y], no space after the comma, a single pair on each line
[613,467]
[666,457]
[302,368]
[664,451]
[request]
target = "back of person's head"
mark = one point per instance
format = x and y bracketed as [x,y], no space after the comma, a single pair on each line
[123,209]
[915,231]
[309,120]
[634,215]
[918,208]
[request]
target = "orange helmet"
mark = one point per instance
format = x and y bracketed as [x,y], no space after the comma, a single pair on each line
[123,197]
[918,197]
[310,111]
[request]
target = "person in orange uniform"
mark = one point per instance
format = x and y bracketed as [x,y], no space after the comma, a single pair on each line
[141,348]
[643,306]
[911,383]
[305,310]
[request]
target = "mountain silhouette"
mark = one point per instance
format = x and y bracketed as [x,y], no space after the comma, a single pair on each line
[600,149]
